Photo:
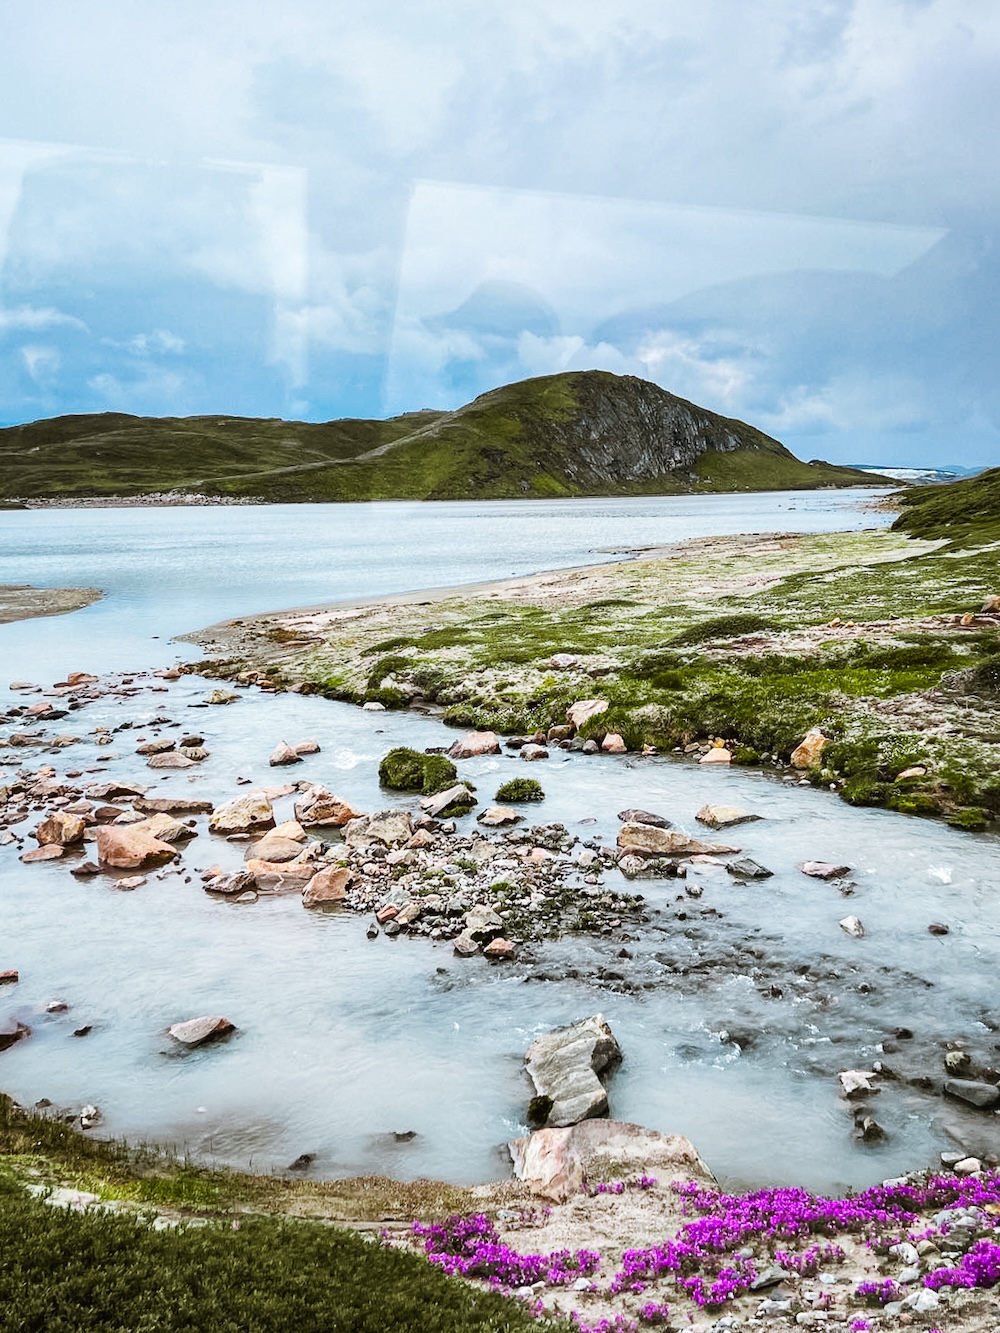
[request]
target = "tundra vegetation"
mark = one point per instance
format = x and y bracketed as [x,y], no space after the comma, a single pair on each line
[886,641]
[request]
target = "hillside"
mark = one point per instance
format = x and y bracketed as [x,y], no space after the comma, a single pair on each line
[577,433]
[960,509]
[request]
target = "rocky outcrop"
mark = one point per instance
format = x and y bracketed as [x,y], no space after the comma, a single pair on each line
[564,1065]
[554,1163]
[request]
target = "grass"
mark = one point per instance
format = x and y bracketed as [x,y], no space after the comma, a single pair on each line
[576,433]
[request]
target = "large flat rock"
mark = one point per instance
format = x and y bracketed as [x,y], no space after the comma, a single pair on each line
[564,1065]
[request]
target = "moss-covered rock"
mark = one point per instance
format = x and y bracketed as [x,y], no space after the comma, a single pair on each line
[404,769]
[520,789]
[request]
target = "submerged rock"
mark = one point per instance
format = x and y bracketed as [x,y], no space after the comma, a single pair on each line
[983,1095]
[196,1031]
[564,1065]
[724,816]
[246,814]
[824,870]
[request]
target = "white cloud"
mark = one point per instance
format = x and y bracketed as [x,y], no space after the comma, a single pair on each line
[24,318]
[42,363]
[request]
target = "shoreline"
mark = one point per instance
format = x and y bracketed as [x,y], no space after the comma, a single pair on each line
[25,601]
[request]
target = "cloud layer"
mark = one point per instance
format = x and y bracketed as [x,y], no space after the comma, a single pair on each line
[785,212]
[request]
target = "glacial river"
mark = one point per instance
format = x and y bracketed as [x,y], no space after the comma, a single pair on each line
[735,1024]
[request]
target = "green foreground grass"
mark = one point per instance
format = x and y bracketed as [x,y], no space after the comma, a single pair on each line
[223,1261]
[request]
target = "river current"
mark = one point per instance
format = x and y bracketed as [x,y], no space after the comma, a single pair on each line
[742,1004]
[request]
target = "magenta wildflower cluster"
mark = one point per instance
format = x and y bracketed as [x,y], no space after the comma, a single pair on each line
[471,1247]
[619,1186]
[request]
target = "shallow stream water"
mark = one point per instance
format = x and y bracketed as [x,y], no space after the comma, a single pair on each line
[735,1010]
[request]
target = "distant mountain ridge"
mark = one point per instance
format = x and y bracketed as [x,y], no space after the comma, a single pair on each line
[576,433]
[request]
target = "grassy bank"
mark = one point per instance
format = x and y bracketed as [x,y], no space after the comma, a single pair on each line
[874,637]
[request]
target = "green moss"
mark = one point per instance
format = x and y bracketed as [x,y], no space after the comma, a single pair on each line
[732,626]
[973,818]
[520,789]
[403,769]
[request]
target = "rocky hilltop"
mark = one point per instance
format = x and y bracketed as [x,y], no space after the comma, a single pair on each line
[576,433]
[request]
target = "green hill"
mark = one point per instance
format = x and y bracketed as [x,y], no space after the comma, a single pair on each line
[577,433]
[960,509]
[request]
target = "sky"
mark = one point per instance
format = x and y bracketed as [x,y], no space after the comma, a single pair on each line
[786,211]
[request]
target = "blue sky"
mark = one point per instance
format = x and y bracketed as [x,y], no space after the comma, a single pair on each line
[786,211]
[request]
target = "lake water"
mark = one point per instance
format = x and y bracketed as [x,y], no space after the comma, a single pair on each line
[344,1042]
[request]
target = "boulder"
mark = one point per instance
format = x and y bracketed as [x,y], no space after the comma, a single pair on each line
[458,795]
[807,754]
[499,815]
[643,817]
[171,805]
[283,754]
[221,696]
[554,1163]
[196,1031]
[724,816]
[247,814]
[60,829]
[329,885]
[279,876]
[391,827]
[290,828]
[306,747]
[500,949]
[155,747]
[983,1095]
[482,924]
[319,808]
[196,753]
[165,827]
[237,881]
[852,925]
[718,754]
[531,752]
[823,870]
[651,840]
[172,759]
[131,847]
[9,976]
[584,709]
[613,743]
[273,847]
[464,945]
[747,868]
[51,852]
[564,1065]
[475,744]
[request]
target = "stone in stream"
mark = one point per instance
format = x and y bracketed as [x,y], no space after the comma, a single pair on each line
[283,754]
[280,876]
[474,744]
[238,881]
[564,1065]
[651,840]
[221,696]
[247,814]
[9,976]
[724,816]
[613,743]
[554,1163]
[643,817]
[12,1031]
[131,848]
[172,759]
[532,752]
[306,747]
[824,870]
[391,827]
[319,808]
[170,805]
[273,847]
[500,950]
[982,1095]
[458,796]
[499,815]
[85,870]
[165,827]
[60,829]
[163,746]
[197,1031]
[853,926]
[327,886]
[51,852]
[718,754]
[748,868]
[196,753]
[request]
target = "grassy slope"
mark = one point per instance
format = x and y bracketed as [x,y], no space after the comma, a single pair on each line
[968,508]
[520,440]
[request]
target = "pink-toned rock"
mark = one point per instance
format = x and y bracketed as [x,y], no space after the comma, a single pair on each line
[81,678]
[464,945]
[807,755]
[131,882]
[554,1162]
[499,815]
[475,743]
[500,949]
[917,771]
[196,1031]
[319,808]
[9,976]
[166,828]
[131,847]
[172,759]
[251,813]
[327,886]
[236,882]
[718,754]
[283,754]
[614,744]
[823,870]
[155,747]
[279,876]
[60,829]
[51,852]
[387,913]
[274,848]
[649,840]
[584,709]
[532,751]
[306,747]
[422,838]
[170,805]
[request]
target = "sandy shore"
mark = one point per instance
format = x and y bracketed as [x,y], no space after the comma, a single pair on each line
[22,602]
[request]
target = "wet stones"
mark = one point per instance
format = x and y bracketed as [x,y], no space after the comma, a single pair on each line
[474,744]
[171,759]
[453,800]
[824,870]
[723,816]
[247,814]
[390,827]
[497,816]
[564,1066]
[283,754]
[327,886]
[11,1032]
[643,817]
[651,840]
[60,829]
[853,926]
[984,1096]
[197,1031]
[171,805]
[748,868]
[319,808]
[131,848]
